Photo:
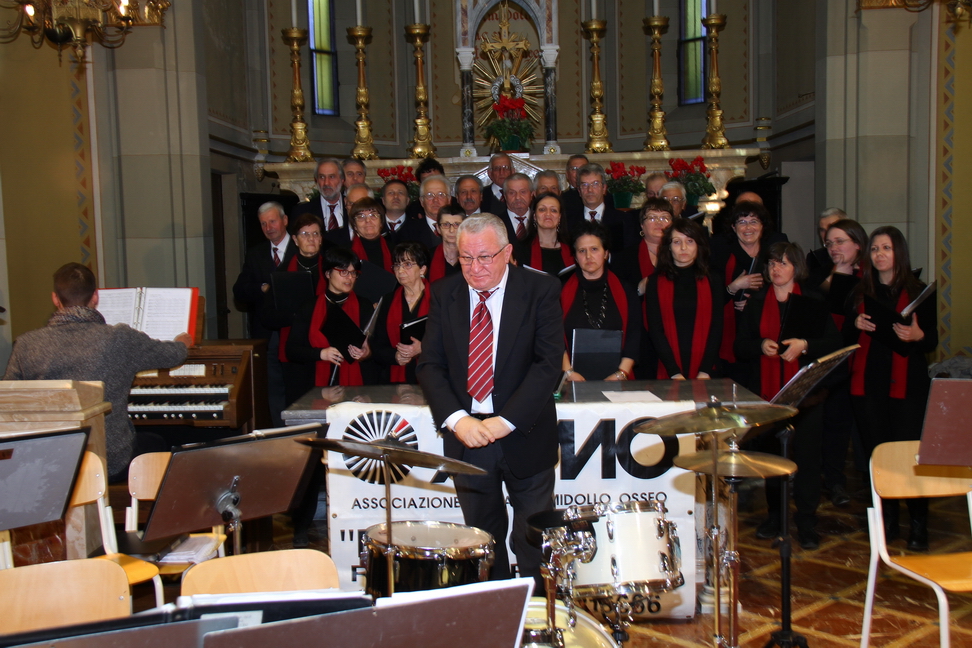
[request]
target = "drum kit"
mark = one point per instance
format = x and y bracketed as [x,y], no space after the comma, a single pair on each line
[611,559]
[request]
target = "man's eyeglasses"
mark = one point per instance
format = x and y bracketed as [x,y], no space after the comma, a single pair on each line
[449,226]
[483,259]
[597,184]
[440,196]
[675,200]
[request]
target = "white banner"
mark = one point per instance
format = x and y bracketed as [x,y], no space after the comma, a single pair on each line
[602,460]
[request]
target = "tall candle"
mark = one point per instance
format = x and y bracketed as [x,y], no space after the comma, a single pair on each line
[293,13]
[417,19]
[656,9]
[712,8]
[357,12]
[593,9]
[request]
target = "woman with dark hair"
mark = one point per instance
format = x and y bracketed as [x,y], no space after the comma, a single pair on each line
[445,257]
[639,262]
[367,219]
[309,345]
[595,298]
[782,329]
[407,303]
[889,373]
[545,245]
[683,305]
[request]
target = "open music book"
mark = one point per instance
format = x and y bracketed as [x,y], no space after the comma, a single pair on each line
[160,313]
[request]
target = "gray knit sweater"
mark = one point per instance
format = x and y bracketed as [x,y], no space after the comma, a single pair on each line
[77,344]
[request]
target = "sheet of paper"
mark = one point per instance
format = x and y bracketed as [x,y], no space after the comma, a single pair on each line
[166,312]
[117,305]
[631,397]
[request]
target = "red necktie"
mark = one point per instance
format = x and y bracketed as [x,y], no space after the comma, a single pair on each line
[480,379]
[276,258]
[332,223]
[520,229]
[502,197]
[593,216]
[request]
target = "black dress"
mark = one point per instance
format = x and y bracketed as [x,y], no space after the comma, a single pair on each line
[594,306]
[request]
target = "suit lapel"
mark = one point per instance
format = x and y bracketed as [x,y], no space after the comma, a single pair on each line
[514,309]
[458,308]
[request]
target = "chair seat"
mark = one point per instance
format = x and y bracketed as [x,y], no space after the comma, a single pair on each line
[952,571]
[137,570]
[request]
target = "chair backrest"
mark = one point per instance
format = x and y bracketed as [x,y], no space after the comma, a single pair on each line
[62,593]
[91,488]
[268,571]
[145,475]
[895,474]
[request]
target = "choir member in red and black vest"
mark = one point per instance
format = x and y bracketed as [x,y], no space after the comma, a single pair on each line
[407,303]
[545,246]
[683,305]
[309,345]
[889,373]
[845,241]
[445,256]
[739,257]
[782,329]
[368,224]
[595,298]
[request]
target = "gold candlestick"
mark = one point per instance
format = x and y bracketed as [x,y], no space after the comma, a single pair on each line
[597,132]
[299,145]
[656,140]
[364,144]
[421,144]
[715,129]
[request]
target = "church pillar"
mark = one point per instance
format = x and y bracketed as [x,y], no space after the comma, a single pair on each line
[466,56]
[549,54]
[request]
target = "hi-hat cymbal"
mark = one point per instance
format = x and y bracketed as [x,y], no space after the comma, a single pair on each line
[736,463]
[395,452]
[714,418]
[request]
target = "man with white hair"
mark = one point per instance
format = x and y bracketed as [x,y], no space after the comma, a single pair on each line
[434,194]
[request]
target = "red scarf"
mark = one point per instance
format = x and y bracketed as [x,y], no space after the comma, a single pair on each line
[321,284]
[569,292]
[349,373]
[644,260]
[773,371]
[358,248]
[729,317]
[536,256]
[437,267]
[394,323]
[700,331]
[899,363]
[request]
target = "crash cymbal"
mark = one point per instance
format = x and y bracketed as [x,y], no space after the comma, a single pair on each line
[736,463]
[396,453]
[715,418]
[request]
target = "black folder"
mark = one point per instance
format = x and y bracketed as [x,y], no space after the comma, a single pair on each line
[341,331]
[803,318]
[414,330]
[596,353]
[374,282]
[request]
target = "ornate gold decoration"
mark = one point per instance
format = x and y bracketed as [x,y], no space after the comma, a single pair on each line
[507,72]
[597,132]
[364,146]
[73,22]
[764,128]
[421,144]
[657,139]
[299,144]
[715,129]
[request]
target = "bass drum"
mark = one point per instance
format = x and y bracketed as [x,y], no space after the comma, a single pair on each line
[587,633]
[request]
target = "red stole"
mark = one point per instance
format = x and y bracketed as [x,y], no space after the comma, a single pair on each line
[645,265]
[569,292]
[899,363]
[321,285]
[394,323]
[358,248]
[536,256]
[773,371]
[349,373]
[729,317]
[700,330]
[437,266]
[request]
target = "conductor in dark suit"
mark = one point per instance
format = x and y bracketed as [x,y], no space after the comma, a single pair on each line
[490,362]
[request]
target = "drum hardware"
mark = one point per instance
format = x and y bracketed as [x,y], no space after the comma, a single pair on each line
[585,633]
[390,450]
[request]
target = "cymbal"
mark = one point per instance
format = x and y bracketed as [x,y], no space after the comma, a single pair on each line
[395,452]
[736,463]
[715,418]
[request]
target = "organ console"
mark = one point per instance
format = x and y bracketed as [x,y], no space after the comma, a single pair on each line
[222,384]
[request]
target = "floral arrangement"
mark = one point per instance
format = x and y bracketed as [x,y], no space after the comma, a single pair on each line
[624,180]
[403,173]
[694,175]
[510,120]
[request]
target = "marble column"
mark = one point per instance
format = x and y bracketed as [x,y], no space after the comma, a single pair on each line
[466,56]
[549,54]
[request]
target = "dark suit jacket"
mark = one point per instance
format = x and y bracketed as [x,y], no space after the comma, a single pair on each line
[417,229]
[257,266]
[528,359]
[574,206]
[491,204]
[340,237]
[621,226]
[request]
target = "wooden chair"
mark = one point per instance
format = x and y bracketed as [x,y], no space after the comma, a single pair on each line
[895,474]
[6,551]
[62,593]
[269,571]
[92,488]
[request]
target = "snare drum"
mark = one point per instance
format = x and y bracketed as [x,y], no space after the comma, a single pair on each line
[637,551]
[586,633]
[428,555]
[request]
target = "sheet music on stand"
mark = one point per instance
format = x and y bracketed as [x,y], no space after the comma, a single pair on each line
[808,377]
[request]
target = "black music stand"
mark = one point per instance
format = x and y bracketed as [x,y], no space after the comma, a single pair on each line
[37,474]
[230,481]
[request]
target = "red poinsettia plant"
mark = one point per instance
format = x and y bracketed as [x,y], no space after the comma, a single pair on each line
[694,175]
[510,120]
[625,180]
[403,173]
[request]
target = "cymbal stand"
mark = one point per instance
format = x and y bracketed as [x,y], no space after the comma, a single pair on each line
[389,547]
[560,548]
[715,536]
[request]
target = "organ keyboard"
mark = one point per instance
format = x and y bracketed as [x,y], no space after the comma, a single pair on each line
[222,383]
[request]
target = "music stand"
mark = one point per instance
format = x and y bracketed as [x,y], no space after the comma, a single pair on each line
[230,481]
[38,469]
[944,435]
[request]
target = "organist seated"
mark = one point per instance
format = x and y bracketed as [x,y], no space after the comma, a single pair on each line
[77,344]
